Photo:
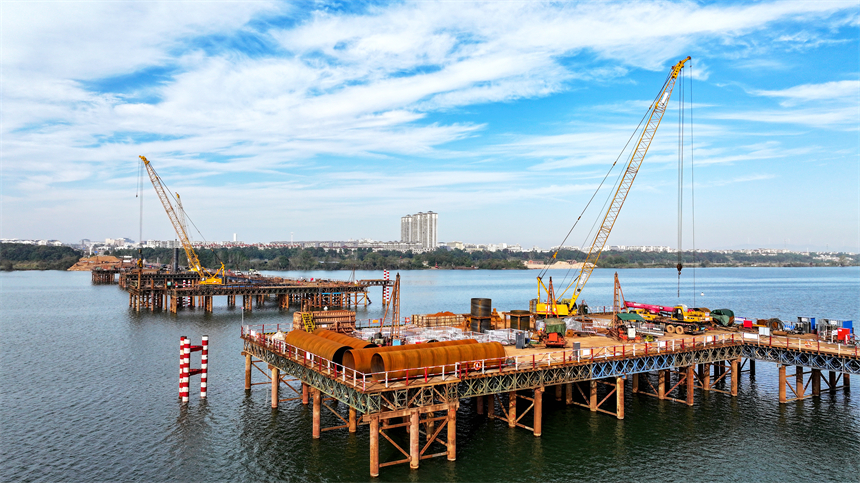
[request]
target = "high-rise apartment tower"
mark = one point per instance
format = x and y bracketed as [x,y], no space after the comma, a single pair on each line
[419,228]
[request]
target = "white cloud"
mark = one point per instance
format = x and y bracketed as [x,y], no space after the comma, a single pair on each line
[848,90]
[80,100]
[739,179]
[847,117]
[88,40]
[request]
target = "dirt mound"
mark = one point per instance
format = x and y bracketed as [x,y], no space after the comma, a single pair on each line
[441,314]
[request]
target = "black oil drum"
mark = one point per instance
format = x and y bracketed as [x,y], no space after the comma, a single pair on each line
[482,307]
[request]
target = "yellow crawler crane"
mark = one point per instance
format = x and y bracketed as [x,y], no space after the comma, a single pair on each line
[550,307]
[207,277]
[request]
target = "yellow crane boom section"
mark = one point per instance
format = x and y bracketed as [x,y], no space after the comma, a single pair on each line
[206,277]
[657,109]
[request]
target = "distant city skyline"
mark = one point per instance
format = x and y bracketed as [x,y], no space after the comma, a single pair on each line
[330,121]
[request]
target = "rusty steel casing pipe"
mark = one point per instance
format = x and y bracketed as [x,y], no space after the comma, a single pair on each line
[360,359]
[413,363]
[343,339]
[314,344]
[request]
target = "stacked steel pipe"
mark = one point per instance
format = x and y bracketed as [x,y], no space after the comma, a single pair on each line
[436,360]
[319,346]
[360,359]
[344,339]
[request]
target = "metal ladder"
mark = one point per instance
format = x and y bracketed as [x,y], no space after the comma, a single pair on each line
[308,321]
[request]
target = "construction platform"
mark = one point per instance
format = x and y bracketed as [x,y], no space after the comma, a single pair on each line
[159,290]
[511,388]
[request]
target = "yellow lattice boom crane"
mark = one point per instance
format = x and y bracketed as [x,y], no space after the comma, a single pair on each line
[207,277]
[550,306]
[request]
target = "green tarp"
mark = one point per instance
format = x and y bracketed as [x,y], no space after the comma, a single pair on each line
[724,317]
[631,318]
[555,325]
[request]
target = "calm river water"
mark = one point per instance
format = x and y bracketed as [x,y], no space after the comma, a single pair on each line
[88,392]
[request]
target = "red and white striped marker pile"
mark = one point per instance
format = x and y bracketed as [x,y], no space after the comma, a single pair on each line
[385,289]
[185,371]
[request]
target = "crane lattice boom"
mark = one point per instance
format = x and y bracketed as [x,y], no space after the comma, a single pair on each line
[657,109]
[206,277]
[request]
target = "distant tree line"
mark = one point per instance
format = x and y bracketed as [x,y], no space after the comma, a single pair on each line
[636,259]
[22,256]
[19,256]
[244,258]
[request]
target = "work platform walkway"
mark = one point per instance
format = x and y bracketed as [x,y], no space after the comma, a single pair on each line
[512,387]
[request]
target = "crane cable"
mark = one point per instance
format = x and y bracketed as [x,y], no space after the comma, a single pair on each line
[544,270]
[139,195]
[680,182]
[692,187]
[187,220]
[681,134]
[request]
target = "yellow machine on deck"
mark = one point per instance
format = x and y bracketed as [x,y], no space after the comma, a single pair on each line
[207,277]
[683,314]
[550,306]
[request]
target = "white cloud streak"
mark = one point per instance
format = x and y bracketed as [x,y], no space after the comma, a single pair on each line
[847,90]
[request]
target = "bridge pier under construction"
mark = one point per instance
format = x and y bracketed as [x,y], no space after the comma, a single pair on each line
[155,291]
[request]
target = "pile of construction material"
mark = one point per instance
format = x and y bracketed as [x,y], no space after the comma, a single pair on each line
[342,321]
[423,335]
[440,319]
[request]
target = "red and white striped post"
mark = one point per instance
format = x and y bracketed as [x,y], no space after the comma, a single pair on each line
[385,294]
[204,366]
[185,371]
[184,366]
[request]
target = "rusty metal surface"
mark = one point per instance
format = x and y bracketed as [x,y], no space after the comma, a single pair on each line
[314,344]
[359,359]
[414,363]
[344,339]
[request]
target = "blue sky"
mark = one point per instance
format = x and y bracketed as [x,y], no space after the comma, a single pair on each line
[331,120]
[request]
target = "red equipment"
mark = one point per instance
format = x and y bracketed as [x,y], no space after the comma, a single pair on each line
[555,340]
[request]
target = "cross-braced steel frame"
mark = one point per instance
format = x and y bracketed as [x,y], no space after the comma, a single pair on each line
[846,364]
[486,384]
[495,383]
[506,381]
[367,403]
